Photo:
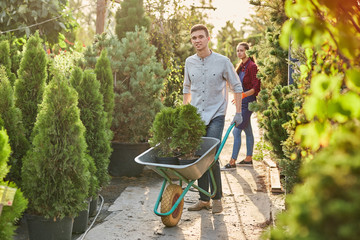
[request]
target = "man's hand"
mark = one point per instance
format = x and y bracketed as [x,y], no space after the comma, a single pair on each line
[237,119]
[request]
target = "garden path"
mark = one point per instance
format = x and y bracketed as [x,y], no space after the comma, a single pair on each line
[249,205]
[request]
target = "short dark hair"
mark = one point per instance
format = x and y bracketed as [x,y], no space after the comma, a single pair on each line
[198,27]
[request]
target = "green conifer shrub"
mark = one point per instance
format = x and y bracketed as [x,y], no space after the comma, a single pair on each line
[189,129]
[55,170]
[105,77]
[275,108]
[162,131]
[29,87]
[130,15]
[137,90]
[12,121]
[5,60]
[10,214]
[97,134]
[15,52]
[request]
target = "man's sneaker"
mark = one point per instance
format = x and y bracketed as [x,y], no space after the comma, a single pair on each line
[217,206]
[199,205]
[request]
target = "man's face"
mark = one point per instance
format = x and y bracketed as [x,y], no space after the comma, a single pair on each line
[199,40]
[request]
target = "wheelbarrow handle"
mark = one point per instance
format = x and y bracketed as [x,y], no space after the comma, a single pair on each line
[224,141]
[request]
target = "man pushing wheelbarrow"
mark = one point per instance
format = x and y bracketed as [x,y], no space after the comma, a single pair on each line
[205,86]
[206,77]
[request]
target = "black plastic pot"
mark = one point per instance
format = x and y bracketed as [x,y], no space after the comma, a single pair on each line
[93,206]
[167,160]
[40,228]
[81,221]
[187,161]
[122,161]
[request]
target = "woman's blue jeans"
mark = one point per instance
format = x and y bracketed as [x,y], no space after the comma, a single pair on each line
[237,141]
[215,130]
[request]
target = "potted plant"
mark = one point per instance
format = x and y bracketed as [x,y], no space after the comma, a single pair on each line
[177,132]
[14,205]
[139,81]
[55,170]
[161,132]
[98,135]
[187,133]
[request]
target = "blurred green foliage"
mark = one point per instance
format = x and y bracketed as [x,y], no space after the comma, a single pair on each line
[325,205]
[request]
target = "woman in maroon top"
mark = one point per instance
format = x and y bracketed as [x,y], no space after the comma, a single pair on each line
[247,71]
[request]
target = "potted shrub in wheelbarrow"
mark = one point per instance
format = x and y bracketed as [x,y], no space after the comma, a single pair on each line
[55,170]
[176,134]
[186,137]
[139,81]
[161,135]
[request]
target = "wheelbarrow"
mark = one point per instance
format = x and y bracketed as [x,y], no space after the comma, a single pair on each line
[172,198]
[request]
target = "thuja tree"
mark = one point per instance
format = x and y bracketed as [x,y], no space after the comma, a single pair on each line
[326,205]
[75,81]
[15,52]
[162,131]
[275,107]
[12,119]
[5,60]
[10,214]
[129,15]
[29,87]
[97,135]
[105,77]
[137,92]
[188,130]
[55,170]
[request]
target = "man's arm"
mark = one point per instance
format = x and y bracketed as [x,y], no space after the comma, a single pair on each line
[187,98]
[238,101]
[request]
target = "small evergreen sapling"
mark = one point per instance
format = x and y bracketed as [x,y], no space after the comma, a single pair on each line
[12,118]
[29,87]
[162,131]
[188,131]
[55,170]
[97,135]
[105,77]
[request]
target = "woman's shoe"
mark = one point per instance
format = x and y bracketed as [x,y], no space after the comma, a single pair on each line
[245,162]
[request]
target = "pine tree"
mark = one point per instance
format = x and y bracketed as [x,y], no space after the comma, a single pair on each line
[130,14]
[29,87]
[104,76]
[55,170]
[97,135]
[12,119]
[137,90]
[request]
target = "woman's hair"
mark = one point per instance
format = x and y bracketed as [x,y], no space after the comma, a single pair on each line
[198,27]
[247,47]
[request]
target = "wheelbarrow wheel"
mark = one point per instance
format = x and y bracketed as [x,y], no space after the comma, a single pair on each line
[169,198]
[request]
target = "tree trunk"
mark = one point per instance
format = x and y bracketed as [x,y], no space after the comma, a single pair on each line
[100,15]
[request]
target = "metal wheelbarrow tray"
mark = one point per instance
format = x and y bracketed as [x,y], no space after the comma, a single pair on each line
[191,171]
[172,198]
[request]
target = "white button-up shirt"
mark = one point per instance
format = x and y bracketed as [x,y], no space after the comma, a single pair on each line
[205,79]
